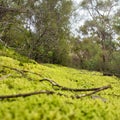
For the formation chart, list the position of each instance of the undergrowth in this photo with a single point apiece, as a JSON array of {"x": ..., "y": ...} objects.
[{"x": 104, "y": 105}]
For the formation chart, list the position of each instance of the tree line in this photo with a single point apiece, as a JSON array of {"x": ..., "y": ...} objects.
[{"x": 41, "y": 30}]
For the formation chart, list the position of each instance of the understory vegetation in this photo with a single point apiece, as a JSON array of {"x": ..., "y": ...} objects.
[{"x": 99, "y": 106}]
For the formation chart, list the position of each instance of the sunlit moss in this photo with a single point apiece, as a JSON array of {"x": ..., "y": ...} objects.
[{"x": 53, "y": 107}]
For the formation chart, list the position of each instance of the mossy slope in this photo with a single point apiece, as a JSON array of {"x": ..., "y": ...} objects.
[{"x": 53, "y": 107}]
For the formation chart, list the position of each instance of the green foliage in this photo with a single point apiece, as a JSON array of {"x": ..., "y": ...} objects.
[
  {"x": 50, "y": 40},
  {"x": 114, "y": 65},
  {"x": 37, "y": 29},
  {"x": 99, "y": 45},
  {"x": 53, "y": 107},
  {"x": 89, "y": 53},
  {"x": 8, "y": 52}
]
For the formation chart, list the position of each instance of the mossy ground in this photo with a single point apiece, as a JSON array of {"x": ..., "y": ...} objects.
[{"x": 54, "y": 107}]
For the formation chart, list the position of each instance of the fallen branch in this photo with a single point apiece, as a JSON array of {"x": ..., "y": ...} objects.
[
  {"x": 71, "y": 89},
  {"x": 89, "y": 94},
  {"x": 21, "y": 71},
  {"x": 26, "y": 94},
  {"x": 52, "y": 92}
]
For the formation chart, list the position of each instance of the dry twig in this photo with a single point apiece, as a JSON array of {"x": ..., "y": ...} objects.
[
  {"x": 52, "y": 92},
  {"x": 71, "y": 89}
]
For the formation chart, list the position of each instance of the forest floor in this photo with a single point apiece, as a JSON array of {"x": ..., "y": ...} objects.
[{"x": 32, "y": 91}]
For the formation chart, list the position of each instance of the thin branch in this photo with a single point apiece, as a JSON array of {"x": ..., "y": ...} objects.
[
  {"x": 72, "y": 89},
  {"x": 21, "y": 71},
  {"x": 50, "y": 81},
  {"x": 26, "y": 94},
  {"x": 94, "y": 92},
  {"x": 51, "y": 93}
]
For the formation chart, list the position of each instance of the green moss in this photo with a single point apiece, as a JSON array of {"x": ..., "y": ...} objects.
[
  {"x": 53, "y": 107},
  {"x": 12, "y": 54}
]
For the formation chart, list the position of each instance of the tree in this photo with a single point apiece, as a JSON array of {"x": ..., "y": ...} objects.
[
  {"x": 43, "y": 25},
  {"x": 100, "y": 26},
  {"x": 51, "y": 23},
  {"x": 10, "y": 12}
]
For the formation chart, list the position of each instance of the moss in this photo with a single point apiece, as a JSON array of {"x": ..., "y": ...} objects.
[
  {"x": 53, "y": 107},
  {"x": 12, "y": 54}
]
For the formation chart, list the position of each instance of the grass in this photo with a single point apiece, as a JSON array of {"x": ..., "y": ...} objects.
[{"x": 54, "y": 107}]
